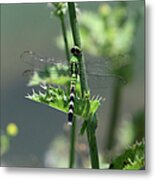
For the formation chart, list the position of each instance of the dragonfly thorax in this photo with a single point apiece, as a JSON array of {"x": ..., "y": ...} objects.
[{"x": 74, "y": 59}]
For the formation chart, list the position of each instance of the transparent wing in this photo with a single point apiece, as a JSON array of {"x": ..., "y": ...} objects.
[
  {"x": 44, "y": 69},
  {"x": 99, "y": 71},
  {"x": 105, "y": 65},
  {"x": 101, "y": 78},
  {"x": 37, "y": 61},
  {"x": 102, "y": 84}
]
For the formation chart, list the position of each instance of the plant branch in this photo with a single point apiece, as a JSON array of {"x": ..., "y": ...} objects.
[
  {"x": 91, "y": 128},
  {"x": 64, "y": 32},
  {"x": 77, "y": 42},
  {"x": 84, "y": 87},
  {"x": 72, "y": 143},
  {"x": 73, "y": 127}
]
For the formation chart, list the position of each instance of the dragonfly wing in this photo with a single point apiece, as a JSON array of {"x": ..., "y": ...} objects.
[
  {"x": 38, "y": 61},
  {"x": 42, "y": 65},
  {"x": 100, "y": 85},
  {"x": 97, "y": 66},
  {"x": 100, "y": 77},
  {"x": 106, "y": 65},
  {"x": 32, "y": 59},
  {"x": 28, "y": 73}
]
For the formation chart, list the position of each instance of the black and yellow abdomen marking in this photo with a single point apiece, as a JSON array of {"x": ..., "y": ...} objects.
[
  {"x": 71, "y": 104},
  {"x": 72, "y": 92},
  {"x": 74, "y": 67}
]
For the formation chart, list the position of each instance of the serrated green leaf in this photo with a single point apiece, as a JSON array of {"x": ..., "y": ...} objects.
[
  {"x": 138, "y": 163},
  {"x": 131, "y": 158},
  {"x": 57, "y": 98}
]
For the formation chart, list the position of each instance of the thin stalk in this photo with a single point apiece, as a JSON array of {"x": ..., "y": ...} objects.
[
  {"x": 92, "y": 142},
  {"x": 74, "y": 24},
  {"x": 77, "y": 42},
  {"x": 114, "y": 116},
  {"x": 72, "y": 143},
  {"x": 64, "y": 32},
  {"x": 73, "y": 127},
  {"x": 84, "y": 87}
]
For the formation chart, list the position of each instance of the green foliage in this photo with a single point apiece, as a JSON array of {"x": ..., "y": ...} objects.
[
  {"x": 56, "y": 74},
  {"x": 131, "y": 158},
  {"x": 137, "y": 164},
  {"x": 57, "y": 98},
  {"x": 115, "y": 28}
]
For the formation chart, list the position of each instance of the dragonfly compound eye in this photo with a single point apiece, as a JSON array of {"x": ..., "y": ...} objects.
[{"x": 76, "y": 51}]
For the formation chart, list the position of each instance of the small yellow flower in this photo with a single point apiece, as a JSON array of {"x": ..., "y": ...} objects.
[{"x": 12, "y": 129}]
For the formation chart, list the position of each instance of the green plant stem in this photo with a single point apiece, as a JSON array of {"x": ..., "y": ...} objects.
[
  {"x": 84, "y": 87},
  {"x": 114, "y": 116},
  {"x": 77, "y": 42},
  {"x": 64, "y": 32},
  {"x": 74, "y": 24},
  {"x": 92, "y": 142},
  {"x": 72, "y": 143},
  {"x": 73, "y": 127}
]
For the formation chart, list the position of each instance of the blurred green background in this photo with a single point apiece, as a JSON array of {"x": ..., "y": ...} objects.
[{"x": 42, "y": 137}]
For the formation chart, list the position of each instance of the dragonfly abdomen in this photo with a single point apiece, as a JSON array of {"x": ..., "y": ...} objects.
[
  {"x": 74, "y": 74},
  {"x": 71, "y": 104},
  {"x": 74, "y": 67}
]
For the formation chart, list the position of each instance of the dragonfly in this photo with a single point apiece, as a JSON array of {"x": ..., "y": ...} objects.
[{"x": 51, "y": 69}]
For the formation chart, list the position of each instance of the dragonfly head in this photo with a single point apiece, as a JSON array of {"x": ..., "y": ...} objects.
[{"x": 76, "y": 51}]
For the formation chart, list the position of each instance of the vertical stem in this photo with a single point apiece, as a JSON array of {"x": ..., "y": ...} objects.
[
  {"x": 84, "y": 87},
  {"x": 73, "y": 127},
  {"x": 114, "y": 116},
  {"x": 72, "y": 143},
  {"x": 92, "y": 124},
  {"x": 64, "y": 32},
  {"x": 74, "y": 24},
  {"x": 77, "y": 42}
]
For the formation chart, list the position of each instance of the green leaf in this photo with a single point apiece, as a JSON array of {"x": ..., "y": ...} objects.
[
  {"x": 138, "y": 163},
  {"x": 131, "y": 158},
  {"x": 57, "y": 98}
]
